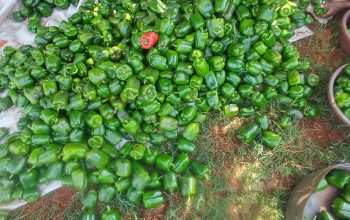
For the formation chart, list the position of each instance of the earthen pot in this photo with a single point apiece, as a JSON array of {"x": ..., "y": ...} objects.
[
  {"x": 305, "y": 201},
  {"x": 344, "y": 36},
  {"x": 338, "y": 112}
]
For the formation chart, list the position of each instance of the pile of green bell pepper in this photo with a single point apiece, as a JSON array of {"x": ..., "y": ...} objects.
[
  {"x": 89, "y": 86},
  {"x": 34, "y": 10}
]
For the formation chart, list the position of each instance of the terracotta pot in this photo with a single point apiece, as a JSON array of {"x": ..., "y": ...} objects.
[
  {"x": 338, "y": 112},
  {"x": 344, "y": 36},
  {"x": 306, "y": 201}
]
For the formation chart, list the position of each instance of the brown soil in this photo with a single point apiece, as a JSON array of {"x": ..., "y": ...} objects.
[
  {"x": 56, "y": 202},
  {"x": 3, "y": 43},
  {"x": 326, "y": 56},
  {"x": 324, "y": 51},
  {"x": 156, "y": 214},
  {"x": 225, "y": 143},
  {"x": 277, "y": 181},
  {"x": 319, "y": 131}
]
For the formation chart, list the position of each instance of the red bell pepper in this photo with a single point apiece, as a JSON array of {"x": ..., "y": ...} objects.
[{"x": 148, "y": 40}]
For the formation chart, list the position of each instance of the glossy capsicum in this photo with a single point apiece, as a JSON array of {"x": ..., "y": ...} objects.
[
  {"x": 216, "y": 27},
  {"x": 154, "y": 182},
  {"x": 138, "y": 151},
  {"x": 248, "y": 132},
  {"x": 199, "y": 169},
  {"x": 89, "y": 215},
  {"x": 270, "y": 139},
  {"x": 164, "y": 162},
  {"x": 181, "y": 163},
  {"x": 111, "y": 214},
  {"x": 341, "y": 208},
  {"x": 131, "y": 90},
  {"x": 74, "y": 151},
  {"x": 29, "y": 179},
  {"x": 97, "y": 158},
  {"x": 54, "y": 171},
  {"x": 346, "y": 192},
  {"x": 89, "y": 200},
  {"x": 140, "y": 176},
  {"x": 152, "y": 199},
  {"x": 80, "y": 179},
  {"x": 188, "y": 185},
  {"x": 338, "y": 178},
  {"x": 31, "y": 195},
  {"x": 123, "y": 167},
  {"x": 106, "y": 193},
  {"x": 150, "y": 155}
]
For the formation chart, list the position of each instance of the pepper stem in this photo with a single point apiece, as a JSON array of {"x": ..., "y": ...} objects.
[{"x": 145, "y": 41}]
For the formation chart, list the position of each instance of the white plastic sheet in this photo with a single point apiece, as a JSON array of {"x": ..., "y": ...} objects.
[
  {"x": 301, "y": 33},
  {"x": 5, "y": 7}
]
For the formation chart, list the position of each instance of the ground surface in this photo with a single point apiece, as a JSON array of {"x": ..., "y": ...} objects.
[{"x": 247, "y": 182}]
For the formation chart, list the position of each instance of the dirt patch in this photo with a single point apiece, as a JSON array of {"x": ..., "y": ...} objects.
[
  {"x": 234, "y": 182},
  {"x": 155, "y": 214},
  {"x": 233, "y": 210},
  {"x": 3, "y": 43},
  {"x": 277, "y": 181},
  {"x": 319, "y": 131},
  {"x": 50, "y": 206},
  {"x": 244, "y": 211},
  {"x": 324, "y": 52},
  {"x": 220, "y": 136}
]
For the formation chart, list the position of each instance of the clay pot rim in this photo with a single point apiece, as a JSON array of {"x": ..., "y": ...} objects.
[
  {"x": 331, "y": 99},
  {"x": 344, "y": 25}
]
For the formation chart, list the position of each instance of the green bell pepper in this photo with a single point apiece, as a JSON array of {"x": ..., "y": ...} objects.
[
  {"x": 134, "y": 195},
  {"x": 206, "y": 8},
  {"x": 89, "y": 215},
  {"x": 54, "y": 171},
  {"x": 97, "y": 158},
  {"x": 29, "y": 179},
  {"x": 31, "y": 195},
  {"x": 216, "y": 27},
  {"x": 164, "y": 162},
  {"x": 188, "y": 186},
  {"x": 181, "y": 163},
  {"x": 248, "y": 133},
  {"x": 111, "y": 214},
  {"x": 123, "y": 167},
  {"x": 270, "y": 139},
  {"x": 152, "y": 199},
  {"x": 341, "y": 208},
  {"x": 338, "y": 178},
  {"x": 80, "y": 179},
  {"x": 106, "y": 193},
  {"x": 16, "y": 165},
  {"x": 74, "y": 151},
  {"x": 191, "y": 131},
  {"x": 199, "y": 169},
  {"x": 89, "y": 200}
]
